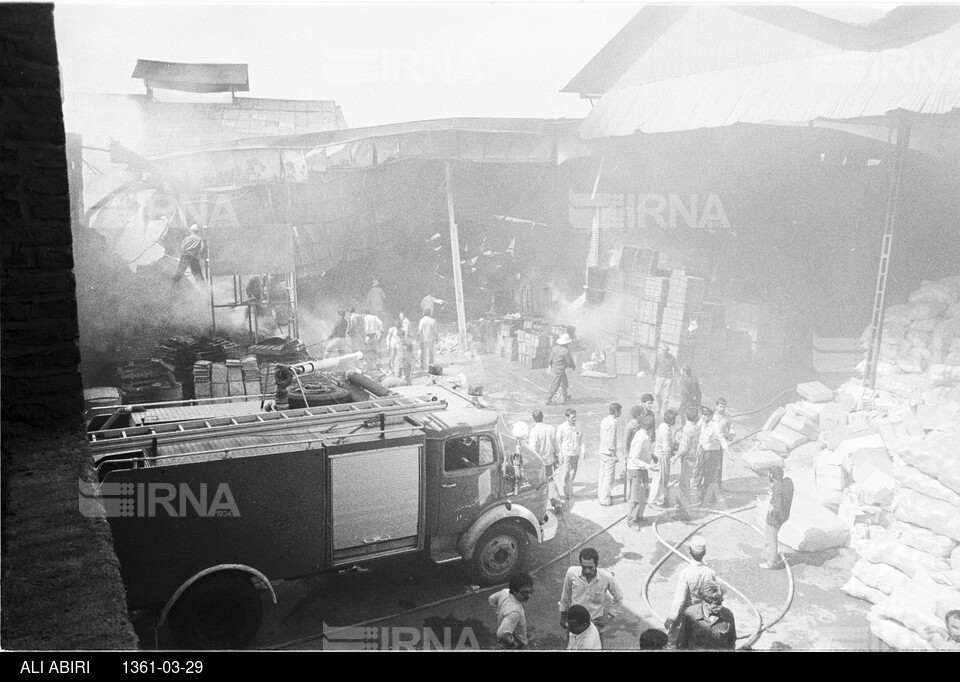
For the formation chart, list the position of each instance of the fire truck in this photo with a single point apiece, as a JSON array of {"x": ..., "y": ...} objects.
[{"x": 209, "y": 502}]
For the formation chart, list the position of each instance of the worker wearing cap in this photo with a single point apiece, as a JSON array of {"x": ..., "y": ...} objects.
[
  {"x": 691, "y": 579},
  {"x": 192, "y": 251},
  {"x": 560, "y": 360}
]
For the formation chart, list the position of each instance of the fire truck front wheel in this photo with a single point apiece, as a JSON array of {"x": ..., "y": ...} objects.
[
  {"x": 220, "y": 612},
  {"x": 499, "y": 554}
]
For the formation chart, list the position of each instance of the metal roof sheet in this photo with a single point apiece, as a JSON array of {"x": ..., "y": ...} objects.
[
  {"x": 923, "y": 78},
  {"x": 653, "y": 22},
  {"x": 193, "y": 77}
]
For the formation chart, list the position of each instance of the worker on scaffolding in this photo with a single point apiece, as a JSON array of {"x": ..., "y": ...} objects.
[{"x": 193, "y": 250}]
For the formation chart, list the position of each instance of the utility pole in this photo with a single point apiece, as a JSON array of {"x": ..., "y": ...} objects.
[{"x": 457, "y": 272}]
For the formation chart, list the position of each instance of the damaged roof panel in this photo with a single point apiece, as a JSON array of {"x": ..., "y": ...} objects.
[{"x": 193, "y": 77}]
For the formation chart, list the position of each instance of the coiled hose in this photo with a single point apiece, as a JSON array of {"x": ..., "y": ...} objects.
[{"x": 674, "y": 549}]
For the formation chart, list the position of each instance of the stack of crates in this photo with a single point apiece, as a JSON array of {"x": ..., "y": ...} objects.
[
  {"x": 202, "y": 388},
  {"x": 533, "y": 349},
  {"x": 251, "y": 375},
  {"x": 534, "y": 300},
  {"x": 684, "y": 299},
  {"x": 235, "y": 378},
  {"x": 506, "y": 346}
]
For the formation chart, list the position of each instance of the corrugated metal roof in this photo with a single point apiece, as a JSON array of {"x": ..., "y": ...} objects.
[
  {"x": 159, "y": 127},
  {"x": 923, "y": 77},
  {"x": 653, "y": 22},
  {"x": 193, "y": 77}
]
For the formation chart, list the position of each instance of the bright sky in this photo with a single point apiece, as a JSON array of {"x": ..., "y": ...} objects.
[{"x": 381, "y": 62}]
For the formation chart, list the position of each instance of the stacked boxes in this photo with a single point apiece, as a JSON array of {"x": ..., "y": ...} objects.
[
  {"x": 533, "y": 349},
  {"x": 251, "y": 375},
  {"x": 506, "y": 346},
  {"x": 218, "y": 380},
  {"x": 534, "y": 300},
  {"x": 235, "y": 378},
  {"x": 202, "y": 387}
]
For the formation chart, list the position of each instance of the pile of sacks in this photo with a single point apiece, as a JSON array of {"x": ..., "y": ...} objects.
[
  {"x": 921, "y": 333},
  {"x": 910, "y": 569},
  {"x": 792, "y": 438},
  {"x": 886, "y": 464}
]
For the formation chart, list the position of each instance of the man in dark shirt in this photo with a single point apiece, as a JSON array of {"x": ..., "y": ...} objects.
[
  {"x": 690, "y": 395},
  {"x": 708, "y": 625},
  {"x": 337, "y": 341},
  {"x": 781, "y": 498},
  {"x": 560, "y": 360}
]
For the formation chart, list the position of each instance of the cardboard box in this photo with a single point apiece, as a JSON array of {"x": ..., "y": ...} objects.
[
  {"x": 803, "y": 426},
  {"x": 815, "y": 392},
  {"x": 899, "y": 427},
  {"x": 854, "y": 514},
  {"x": 788, "y": 436},
  {"x": 829, "y": 420},
  {"x": 831, "y": 477},
  {"x": 774, "y": 419},
  {"x": 877, "y": 489}
]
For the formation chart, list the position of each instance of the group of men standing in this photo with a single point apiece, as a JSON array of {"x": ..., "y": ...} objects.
[
  {"x": 698, "y": 439},
  {"x": 364, "y": 330}
]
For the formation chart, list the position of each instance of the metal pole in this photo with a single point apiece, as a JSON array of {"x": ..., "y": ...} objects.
[
  {"x": 457, "y": 273},
  {"x": 899, "y": 157},
  {"x": 295, "y": 303},
  {"x": 213, "y": 309}
]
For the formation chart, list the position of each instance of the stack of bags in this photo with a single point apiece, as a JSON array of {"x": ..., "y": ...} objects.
[
  {"x": 910, "y": 569},
  {"x": 888, "y": 462},
  {"x": 921, "y": 333},
  {"x": 791, "y": 436}
]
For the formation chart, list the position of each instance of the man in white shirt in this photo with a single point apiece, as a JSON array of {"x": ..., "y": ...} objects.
[
  {"x": 688, "y": 443},
  {"x": 663, "y": 449},
  {"x": 608, "y": 454},
  {"x": 588, "y": 586},
  {"x": 713, "y": 446},
  {"x": 584, "y": 635},
  {"x": 427, "y": 335},
  {"x": 543, "y": 441},
  {"x": 570, "y": 443},
  {"x": 690, "y": 580},
  {"x": 372, "y": 332},
  {"x": 511, "y": 618},
  {"x": 639, "y": 461}
]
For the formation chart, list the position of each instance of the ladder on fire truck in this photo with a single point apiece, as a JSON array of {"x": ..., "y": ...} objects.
[
  {"x": 893, "y": 206},
  {"x": 131, "y": 438}
]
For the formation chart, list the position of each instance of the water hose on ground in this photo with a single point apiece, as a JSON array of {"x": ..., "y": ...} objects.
[{"x": 674, "y": 549}]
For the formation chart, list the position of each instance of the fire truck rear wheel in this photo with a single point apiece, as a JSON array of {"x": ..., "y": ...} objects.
[
  {"x": 499, "y": 554},
  {"x": 220, "y": 612}
]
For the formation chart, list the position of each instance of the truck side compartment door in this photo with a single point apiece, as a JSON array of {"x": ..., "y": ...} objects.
[
  {"x": 376, "y": 498},
  {"x": 469, "y": 480}
]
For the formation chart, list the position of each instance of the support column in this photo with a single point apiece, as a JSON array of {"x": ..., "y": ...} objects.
[{"x": 457, "y": 272}]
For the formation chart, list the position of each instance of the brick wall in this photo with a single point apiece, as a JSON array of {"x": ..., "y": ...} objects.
[{"x": 39, "y": 354}]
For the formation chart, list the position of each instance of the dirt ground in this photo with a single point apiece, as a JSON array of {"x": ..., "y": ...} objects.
[{"x": 398, "y": 605}]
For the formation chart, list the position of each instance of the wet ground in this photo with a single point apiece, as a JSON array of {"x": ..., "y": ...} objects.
[{"x": 411, "y": 603}]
